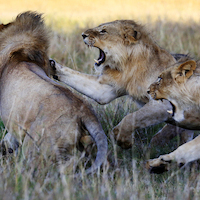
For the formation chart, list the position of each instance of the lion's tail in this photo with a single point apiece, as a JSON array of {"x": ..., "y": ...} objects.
[
  {"x": 97, "y": 133},
  {"x": 26, "y": 38}
]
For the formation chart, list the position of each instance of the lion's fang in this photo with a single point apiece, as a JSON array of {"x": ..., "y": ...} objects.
[
  {"x": 96, "y": 61},
  {"x": 170, "y": 111}
]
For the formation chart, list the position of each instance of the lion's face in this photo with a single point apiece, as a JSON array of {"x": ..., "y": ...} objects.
[
  {"x": 171, "y": 81},
  {"x": 161, "y": 87},
  {"x": 114, "y": 41}
]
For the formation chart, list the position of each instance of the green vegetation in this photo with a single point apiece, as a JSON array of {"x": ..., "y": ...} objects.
[{"x": 124, "y": 175}]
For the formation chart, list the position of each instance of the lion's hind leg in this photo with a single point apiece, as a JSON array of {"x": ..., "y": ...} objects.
[{"x": 45, "y": 153}]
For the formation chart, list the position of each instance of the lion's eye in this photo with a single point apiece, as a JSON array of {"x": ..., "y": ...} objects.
[{"x": 103, "y": 31}]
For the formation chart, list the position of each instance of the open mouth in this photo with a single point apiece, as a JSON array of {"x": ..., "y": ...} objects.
[{"x": 101, "y": 59}]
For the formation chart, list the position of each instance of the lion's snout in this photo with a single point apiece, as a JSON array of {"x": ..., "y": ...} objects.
[
  {"x": 152, "y": 90},
  {"x": 84, "y": 35}
]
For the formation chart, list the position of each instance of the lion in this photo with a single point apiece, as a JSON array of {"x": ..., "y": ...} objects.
[
  {"x": 39, "y": 114},
  {"x": 180, "y": 85},
  {"x": 129, "y": 61}
]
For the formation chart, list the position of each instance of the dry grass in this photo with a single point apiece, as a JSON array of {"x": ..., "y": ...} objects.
[{"x": 124, "y": 175}]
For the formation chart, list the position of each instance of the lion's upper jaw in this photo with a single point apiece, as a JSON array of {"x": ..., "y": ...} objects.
[
  {"x": 109, "y": 56},
  {"x": 173, "y": 94}
]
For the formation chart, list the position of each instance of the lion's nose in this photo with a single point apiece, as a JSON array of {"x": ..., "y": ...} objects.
[{"x": 84, "y": 35}]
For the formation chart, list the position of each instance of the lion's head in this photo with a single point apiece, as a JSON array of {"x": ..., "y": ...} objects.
[
  {"x": 115, "y": 41},
  {"x": 172, "y": 81},
  {"x": 176, "y": 85}
]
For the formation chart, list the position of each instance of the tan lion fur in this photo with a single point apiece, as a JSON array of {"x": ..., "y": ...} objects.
[
  {"x": 130, "y": 60},
  {"x": 180, "y": 85},
  {"x": 39, "y": 113}
]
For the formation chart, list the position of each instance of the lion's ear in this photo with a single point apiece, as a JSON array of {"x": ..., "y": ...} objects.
[
  {"x": 184, "y": 71},
  {"x": 187, "y": 68},
  {"x": 2, "y": 26},
  {"x": 131, "y": 38},
  {"x": 136, "y": 35}
]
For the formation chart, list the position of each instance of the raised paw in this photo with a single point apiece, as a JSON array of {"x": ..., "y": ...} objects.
[
  {"x": 52, "y": 63},
  {"x": 53, "y": 69}
]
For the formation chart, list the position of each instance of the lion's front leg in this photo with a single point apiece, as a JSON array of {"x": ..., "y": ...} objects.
[
  {"x": 152, "y": 113},
  {"x": 184, "y": 154},
  {"x": 160, "y": 164},
  {"x": 89, "y": 85}
]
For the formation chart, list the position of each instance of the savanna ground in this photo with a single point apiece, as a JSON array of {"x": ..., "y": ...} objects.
[{"x": 175, "y": 26}]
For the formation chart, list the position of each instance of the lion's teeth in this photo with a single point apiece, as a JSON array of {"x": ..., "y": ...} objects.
[
  {"x": 170, "y": 111},
  {"x": 96, "y": 61}
]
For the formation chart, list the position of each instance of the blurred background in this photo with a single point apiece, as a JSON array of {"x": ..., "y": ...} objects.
[{"x": 65, "y": 13}]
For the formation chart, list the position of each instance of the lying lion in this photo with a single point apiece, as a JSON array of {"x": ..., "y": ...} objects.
[
  {"x": 129, "y": 61},
  {"x": 39, "y": 113},
  {"x": 180, "y": 85}
]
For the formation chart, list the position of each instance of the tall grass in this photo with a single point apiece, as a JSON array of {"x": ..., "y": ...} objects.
[{"x": 123, "y": 176}]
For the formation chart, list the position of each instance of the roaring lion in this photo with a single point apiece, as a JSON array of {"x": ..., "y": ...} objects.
[
  {"x": 39, "y": 113},
  {"x": 129, "y": 61},
  {"x": 180, "y": 84}
]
